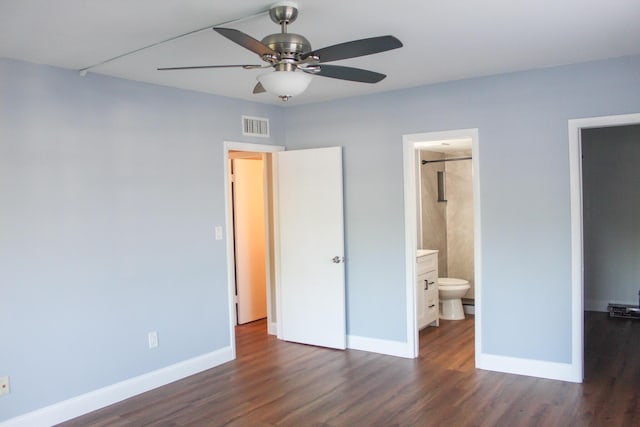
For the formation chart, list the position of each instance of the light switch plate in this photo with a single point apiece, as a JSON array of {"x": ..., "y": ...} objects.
[{"x": 153, "y": 339}]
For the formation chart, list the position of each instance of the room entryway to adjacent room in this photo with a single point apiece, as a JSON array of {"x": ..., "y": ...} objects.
[
  {"x": 442, "y": 231},
  {"x": 248, "y": 214},
  {"x": 286, "y": 242},
  {"x": 605, "y": 207}
]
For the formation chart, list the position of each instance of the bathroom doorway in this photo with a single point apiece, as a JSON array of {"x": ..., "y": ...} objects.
[
  {"x": 442, "y": 214},
  {"x": 445, "y": 205}
]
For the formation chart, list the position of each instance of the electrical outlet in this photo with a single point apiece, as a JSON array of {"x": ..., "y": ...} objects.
[
  {"x": 4, "y": 386},
  {"x": 218, "y": 232},
  {"x": 153, "y": 339}
]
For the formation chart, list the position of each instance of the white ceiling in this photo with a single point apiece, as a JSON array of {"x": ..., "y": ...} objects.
[{"x": 443, "y": 40}]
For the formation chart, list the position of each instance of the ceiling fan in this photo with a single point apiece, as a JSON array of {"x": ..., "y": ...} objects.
[{"x": 293, "y": 60}]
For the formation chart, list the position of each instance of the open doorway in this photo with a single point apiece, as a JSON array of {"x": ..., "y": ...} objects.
[
  {"x": 611, "y": 215},
  {"x": 249, "y": 217},
  {"x": 250, "y": 242},
  {"x": 611, "y": 231},
  {"x": 305, "y": 250},
  {"x": 425, "y": 238},
  {"x": 604, "y": 152}
]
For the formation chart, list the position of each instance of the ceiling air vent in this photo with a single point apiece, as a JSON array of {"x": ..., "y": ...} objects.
[{"x": 255, "y": 126}]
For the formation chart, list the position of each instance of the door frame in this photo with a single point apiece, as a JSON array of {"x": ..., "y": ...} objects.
[
  {"x": 411, "y": 226},
  {"x": 577, "y": 248},
  {"x": 255, "y": 148}
]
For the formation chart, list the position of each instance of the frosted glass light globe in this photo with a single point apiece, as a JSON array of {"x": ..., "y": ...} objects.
[{"x": 285, "y": 84}]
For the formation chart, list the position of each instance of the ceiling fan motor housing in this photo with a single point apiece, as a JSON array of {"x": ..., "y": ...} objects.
[{"x": 288, "y": 45}]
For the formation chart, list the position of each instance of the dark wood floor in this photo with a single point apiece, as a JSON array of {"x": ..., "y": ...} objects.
[{"x": 278, "y": 383}]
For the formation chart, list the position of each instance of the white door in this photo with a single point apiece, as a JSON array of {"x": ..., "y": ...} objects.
[
  {"x": 250, "y": 241},
  {"x": 311, "y": 247}
]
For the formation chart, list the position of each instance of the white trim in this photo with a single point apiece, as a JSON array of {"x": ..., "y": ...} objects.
[
  {"x": 529, "y": 367},
  {"x": 577, "y": 260},
  {"x": 238, "y": 146},
  {"x": 392, "y": 348},
  {"x": 276, "y": 242},
  {"x": 88, "y": 402},
  {"x": 410, "y": 226},
  {"x": 419, "y": 237},
  {"x": 411, "y": 242},
  {"x": 477, "y": 244},
  {"x": 272, "y": 328},
  {"x": 267, "y": 235}
]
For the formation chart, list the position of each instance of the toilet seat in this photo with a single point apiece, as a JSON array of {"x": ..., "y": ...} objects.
[{"x": 451, "y": 281}]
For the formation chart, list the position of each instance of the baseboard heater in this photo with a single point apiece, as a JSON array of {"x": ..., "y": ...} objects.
[{"x": 624, "y": 310}]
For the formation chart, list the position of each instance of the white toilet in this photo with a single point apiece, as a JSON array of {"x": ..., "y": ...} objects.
[{"x": 450, "y": 291}]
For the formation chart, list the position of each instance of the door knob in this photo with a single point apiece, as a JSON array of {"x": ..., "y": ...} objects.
[{"x": 337, "y": 260}]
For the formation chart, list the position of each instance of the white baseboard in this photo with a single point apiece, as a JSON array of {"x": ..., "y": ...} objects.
[
  {"x": 529, "y": 367},
  {"x": 272, "y": 328},
  {"x": 469, "y": 309},
  {"x": 114, "y": 393},
  {"x": 392, "y": 348}
]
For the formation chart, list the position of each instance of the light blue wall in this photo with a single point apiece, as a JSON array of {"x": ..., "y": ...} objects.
[
  {"x": 524, "y": 178},
  {"x": 109, "y": 194},
  {"x": 110, "y": 189}
]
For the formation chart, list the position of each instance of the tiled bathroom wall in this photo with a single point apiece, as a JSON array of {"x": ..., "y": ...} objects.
[
  {"x": 434, "y": 220},
  {"x": 448, "y": 226},
  {"x": 459, "y": 183}
]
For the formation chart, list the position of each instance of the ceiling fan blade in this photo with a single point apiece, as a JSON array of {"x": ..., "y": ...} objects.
[
  {"x": 346, "y": 73},
  {"x": 246, "y": 41},
  {"x": 355, "y": 48},
  {"x": 259, "y": 88},
  {"x": 197, "y": 67}
]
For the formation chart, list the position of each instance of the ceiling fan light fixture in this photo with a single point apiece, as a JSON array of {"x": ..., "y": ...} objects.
[
  {"x": 285, "y": 84},
  {"x": 293, "y": 59}
]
